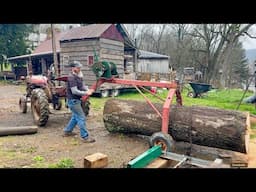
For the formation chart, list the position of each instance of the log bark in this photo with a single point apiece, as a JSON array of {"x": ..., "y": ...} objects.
[
  {"x": 206, "y": 126},
  {"x": 18, "y": 130}
]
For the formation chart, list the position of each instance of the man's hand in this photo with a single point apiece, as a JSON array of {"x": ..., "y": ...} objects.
[{"x": 89, "y": 92}]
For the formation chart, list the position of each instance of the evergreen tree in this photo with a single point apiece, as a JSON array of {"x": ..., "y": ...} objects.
[
  {"x": 13, "y": 40},
  {"x": 240, "y": 67}
]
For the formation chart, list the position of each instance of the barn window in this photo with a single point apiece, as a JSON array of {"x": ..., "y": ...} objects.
[{"x": 90, "y": 60}]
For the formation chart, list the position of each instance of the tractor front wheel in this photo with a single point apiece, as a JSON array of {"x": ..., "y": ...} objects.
[{"x": 39, "y": 107}]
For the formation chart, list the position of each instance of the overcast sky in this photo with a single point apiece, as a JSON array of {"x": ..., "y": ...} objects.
[{"x": 249, "y": 43}]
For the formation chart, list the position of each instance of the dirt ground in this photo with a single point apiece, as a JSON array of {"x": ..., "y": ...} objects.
[{"x": 48, "y": 147}]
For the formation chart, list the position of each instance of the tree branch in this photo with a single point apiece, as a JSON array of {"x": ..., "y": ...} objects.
[
  {"x": 199, "y": 50},
  {"x": 249, "y": 35}
]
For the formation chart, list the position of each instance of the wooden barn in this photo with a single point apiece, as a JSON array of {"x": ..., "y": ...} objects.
[
  {"x": 82, "y": 43},
  {"x": 110, "y": 41}
]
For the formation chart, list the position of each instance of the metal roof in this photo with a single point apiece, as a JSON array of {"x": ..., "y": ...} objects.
[
  {"x": 128, "y": 40},
  {"x": 150, "y": 55},
  {"x": 23, "y": 57},
  {"x": 46, "y": 45},
  {"x": 89, "y": 31}
]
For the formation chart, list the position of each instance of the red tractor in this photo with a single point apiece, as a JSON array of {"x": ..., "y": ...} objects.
[{"x": 40, "y": 92}]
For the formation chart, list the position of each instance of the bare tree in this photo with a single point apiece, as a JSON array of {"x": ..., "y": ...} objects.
[
  {"x": 234, "y": 32},
  {"x": 150, "y": 36},
  {"x": 180, "y": 47},
  {"x": 133, "y": 30},
  {"x": 157, "y": 37},
  {"x": 218, "y": 41},
  {"x": 207, "y": 47}
]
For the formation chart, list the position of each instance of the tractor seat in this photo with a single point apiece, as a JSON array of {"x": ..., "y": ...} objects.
[{"x": 61, "y": 91}]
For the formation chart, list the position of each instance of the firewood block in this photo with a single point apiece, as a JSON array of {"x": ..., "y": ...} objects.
[{"x": 96, "y": 160}]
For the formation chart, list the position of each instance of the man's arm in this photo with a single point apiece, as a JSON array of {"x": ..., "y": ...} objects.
[
  {"x": 76, "y": 91},
  {"x": 86, "y": 88}
]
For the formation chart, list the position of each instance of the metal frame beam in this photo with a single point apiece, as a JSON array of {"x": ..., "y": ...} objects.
[{"x": 145, "y": 158}]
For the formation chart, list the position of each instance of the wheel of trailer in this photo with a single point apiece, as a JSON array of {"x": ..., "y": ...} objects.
[
  {"x": 86, "y": 107},
  {"x": 23, "y": 104},
  {"x": 57, "y": 106},
  {"x": 191, "y": 94},
  {"x": 39, "y": 107},
  {"x": 115, "y": 92},
  {"x": 163, "y": 139},
  {"x": 104, "y": 93}
]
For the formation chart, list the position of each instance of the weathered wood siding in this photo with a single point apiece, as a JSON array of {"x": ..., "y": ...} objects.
[
  {"x": 153, "y": 65},
  {"x": 109, "y": 50},
  {"x": 132, "y": 53},
  {"x": 113, "y": 51}
]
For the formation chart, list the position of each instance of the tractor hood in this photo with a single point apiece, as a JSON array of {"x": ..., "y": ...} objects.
[{"x": 38, "y": 79}]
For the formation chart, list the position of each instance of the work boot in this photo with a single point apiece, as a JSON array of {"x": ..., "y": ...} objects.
[
  {"x": 68, "y": 134},
  {"x": 88, "y": 140}
]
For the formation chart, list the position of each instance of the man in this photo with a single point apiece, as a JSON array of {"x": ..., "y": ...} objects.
[{"x": 75, "y": 90}]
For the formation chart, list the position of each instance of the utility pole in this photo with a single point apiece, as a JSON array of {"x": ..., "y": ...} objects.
[
  {"x": 135, "y": 64},
  {"x": 55, "y": 60}
]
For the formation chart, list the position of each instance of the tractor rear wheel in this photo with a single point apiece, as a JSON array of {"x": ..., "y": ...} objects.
[
  {"x": 86, "y": 107},
  {"x": 39, "y": 107}
]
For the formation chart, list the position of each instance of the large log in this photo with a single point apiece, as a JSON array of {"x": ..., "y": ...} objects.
[
  {"x": 21, "y": 130},
  {"x": 206, "y": 126}
]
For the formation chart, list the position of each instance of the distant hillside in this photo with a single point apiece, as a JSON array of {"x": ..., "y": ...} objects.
[{"x": 251, "y": 55}]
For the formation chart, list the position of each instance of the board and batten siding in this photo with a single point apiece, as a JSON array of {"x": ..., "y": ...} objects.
[{"x": 153, "y": 66}]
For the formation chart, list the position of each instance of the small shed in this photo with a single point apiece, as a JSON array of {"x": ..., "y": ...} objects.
[{"x": 153, "y": 66}]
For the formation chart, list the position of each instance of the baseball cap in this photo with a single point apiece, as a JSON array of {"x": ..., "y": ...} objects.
[{"x": 75, "y": 64}]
